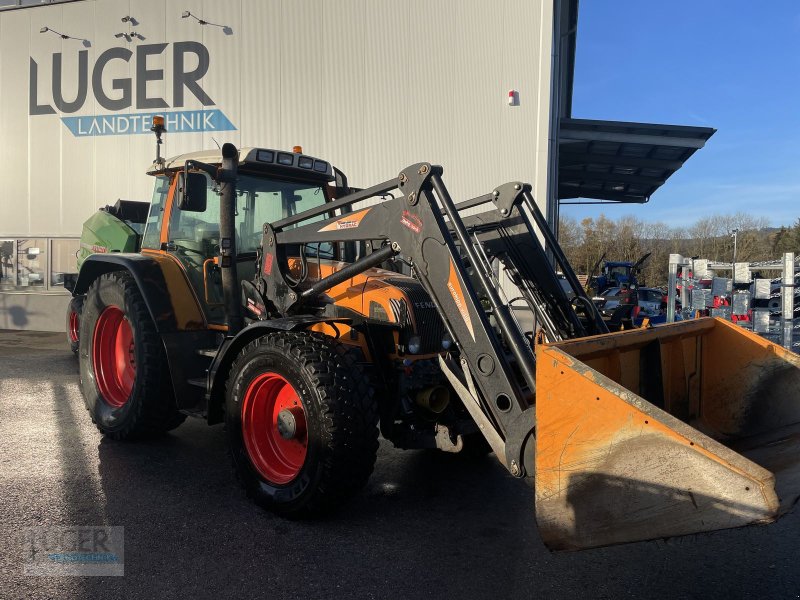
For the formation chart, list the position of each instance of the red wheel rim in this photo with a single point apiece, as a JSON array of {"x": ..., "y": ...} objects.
[
  {"x": 113, "y": 356},
  {"x": 74, "y": 323},
  {"x": 277, "y": 458}
]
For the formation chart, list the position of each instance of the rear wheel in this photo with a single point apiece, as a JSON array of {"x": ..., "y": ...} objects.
[
  {"x": 301, "y": 422},
  {"x": 74, "y": 310},
  {"x": 123, "y": 369}
]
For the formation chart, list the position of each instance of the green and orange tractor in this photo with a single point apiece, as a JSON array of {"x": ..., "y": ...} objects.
[{"x": 260, "y": 290}]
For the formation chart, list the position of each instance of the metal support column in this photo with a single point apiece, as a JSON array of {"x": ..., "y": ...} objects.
[{"x": 787, "y": 300}]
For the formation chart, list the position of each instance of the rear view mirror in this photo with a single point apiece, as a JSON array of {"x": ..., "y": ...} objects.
[{"x": 192, "y": 190}]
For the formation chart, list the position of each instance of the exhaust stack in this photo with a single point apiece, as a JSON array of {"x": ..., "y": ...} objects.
[{"x": 227, "y": 228}]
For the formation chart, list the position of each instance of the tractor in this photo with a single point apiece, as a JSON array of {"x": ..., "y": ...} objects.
[
  {"x": 617, "y": 274},
  {"x": 311, "y": 317}
]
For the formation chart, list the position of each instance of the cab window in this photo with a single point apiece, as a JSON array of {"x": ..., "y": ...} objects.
[
  {"x": 152, "y": 232},
  {"x": 258, "y": 201}
]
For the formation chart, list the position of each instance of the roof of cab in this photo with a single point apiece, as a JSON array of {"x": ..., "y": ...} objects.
[{"x": 247, "y": 156}]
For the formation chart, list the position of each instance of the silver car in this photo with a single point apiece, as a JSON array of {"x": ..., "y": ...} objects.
[{"x": 651, "y": 301}]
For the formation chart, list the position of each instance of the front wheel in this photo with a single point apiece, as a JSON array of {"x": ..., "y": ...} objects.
[{"x": 301, "y": 423}]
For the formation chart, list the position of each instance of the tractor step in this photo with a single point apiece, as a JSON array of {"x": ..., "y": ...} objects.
[
  {"x": 197, "y": 382},
  {"x": 207, "y": 352}
]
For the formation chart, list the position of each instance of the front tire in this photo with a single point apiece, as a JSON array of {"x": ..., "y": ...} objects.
[
  {"x": 301, "y": 423},
  {"x": 123, "y": 368}
]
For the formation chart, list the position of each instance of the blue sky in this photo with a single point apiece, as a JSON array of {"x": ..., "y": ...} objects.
[{"x": 733, "y": 65}]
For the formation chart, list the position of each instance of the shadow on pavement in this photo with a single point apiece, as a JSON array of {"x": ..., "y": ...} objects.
[
  {"x": 422, "y": 518},
  {"x": 427, "y": 525}
]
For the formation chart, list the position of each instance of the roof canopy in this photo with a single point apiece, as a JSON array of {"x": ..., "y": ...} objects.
[{"x": 621, "y": 162}]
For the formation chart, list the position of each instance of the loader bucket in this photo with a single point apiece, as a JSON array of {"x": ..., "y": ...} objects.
[{"x": 654, "y": 433}]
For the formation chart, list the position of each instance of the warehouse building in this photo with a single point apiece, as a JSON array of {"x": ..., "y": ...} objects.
[{"x": 369, "y": 85}]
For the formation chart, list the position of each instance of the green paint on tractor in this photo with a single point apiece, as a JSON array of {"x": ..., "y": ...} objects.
[{"x": 103, "y": 232}]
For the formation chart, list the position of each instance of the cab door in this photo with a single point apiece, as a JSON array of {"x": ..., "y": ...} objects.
[{"x": 193, "y": 240}]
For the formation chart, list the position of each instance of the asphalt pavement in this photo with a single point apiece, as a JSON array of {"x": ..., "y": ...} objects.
[{"x": 427, "y": 526}]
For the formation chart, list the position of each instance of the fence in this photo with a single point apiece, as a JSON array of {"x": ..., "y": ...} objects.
[{"x": 768, "y": 306}]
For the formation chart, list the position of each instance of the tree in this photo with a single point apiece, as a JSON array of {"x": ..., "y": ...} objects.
[
  {"x": 628, "y": 238},
  {"x": 569, "y": 235},
  {"x": 787, "y": 239}
]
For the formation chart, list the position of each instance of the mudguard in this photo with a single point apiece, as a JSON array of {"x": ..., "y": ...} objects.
[
  {"x": 220, "y": 366},
  {"x": 163, "y": 284},
  {"x": 173, "y": 308}
]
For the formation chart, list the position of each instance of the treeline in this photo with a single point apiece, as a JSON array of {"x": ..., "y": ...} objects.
[{"x": 628, "y": 238}]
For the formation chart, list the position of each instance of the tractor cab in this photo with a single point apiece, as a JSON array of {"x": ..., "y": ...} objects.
[
  {"x": 184, "y": 218},
  {"x": 618, "y": 273}
]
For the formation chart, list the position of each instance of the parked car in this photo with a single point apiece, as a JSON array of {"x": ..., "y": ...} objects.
[
  {"x": 652, "y": 301},
  {"x": 566, "y": 286},
  {"x": 607, "y": 295}
]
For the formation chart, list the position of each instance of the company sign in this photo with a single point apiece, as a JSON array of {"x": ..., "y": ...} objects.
[{"x": 128, "y": 93}]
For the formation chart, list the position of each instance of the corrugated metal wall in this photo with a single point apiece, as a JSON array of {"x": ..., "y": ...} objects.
[{"x": 371, "y": 85}]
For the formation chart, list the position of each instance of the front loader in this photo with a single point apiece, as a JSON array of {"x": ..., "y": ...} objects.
[{"x": 270, "y": 295}]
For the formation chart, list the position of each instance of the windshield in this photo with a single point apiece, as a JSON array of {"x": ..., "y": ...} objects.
[
  {"x": 267, "y": 201},
  {"x": 258, "y": 201},
  {"x": 618, "y": 273}
]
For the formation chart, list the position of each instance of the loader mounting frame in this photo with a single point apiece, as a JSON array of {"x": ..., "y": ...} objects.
[{"x": 452, "y": 257}]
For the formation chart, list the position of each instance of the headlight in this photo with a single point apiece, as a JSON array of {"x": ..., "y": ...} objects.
[
  {"x": 414, "y": 344},
  {"x": 447, "y": 341}
]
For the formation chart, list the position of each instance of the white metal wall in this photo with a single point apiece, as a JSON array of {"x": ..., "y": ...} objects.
[{"x": 371, "y": 85}]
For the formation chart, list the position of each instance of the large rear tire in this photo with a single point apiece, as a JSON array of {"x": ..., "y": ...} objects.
[
  {"x": 74, "y": 310},
  {"x": 301, "y": 422},
  {"x": 123, "y": 367}
]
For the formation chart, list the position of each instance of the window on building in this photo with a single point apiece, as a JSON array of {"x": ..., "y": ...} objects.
[
  {"x": 36, "y": 264},
  {"x": 8, "y": 265},
  {"x": 63, "y": 260},
  {"x": 32, "y": 264}
]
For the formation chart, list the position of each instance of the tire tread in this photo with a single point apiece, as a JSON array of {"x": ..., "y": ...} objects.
[
  {"x": 156, "y": 412},
  {"x": 348, "y": 413}
]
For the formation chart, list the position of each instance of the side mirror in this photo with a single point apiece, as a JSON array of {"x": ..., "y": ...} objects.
[{"x": 192, "y": 191}]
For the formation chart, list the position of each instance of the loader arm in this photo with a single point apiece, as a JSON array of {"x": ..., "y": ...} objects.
[
  {"x": 639, "y": 262},
  {"x": 453, "y": 259},
  {"x": 653, "y": 435}
]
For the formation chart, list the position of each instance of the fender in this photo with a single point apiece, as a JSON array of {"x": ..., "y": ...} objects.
[
  {"x": 173, "y": 308},
  {"x": 220, "y": 367},
  {"x": 163, "y": 285}
]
